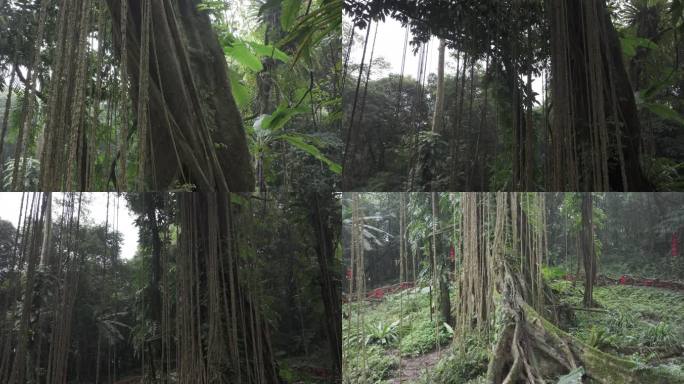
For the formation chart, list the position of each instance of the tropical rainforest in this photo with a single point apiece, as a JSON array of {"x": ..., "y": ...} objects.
[
  {"x": 234, "y": 288},
  {"x": 548, "y": 95},
  {"x": 510, "y": 287},
  {"x": 214, "y": 95}
]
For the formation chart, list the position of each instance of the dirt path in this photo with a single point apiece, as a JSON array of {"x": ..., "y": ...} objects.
[{"x": 414, "y": 367}]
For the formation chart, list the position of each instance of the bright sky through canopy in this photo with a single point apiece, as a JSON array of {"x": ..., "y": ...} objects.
[{"x": 97, "y": 214}]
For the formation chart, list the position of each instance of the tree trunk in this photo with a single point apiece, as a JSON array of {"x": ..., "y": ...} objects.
[
  {"x": 47, "y": 233},
  {"x": 530, "y": 349},
  {"x": 438, "y": 117},
  {"x": 322, "y": 219},
  {"x": 587, "y": 246},
  {"x": 237, "y": 349},
  {"x": 150, "y": 202},
  {"x": 197, "y": 130},
  {"x": 596, "y": 132},
  {"x": 440, "y": 268}
]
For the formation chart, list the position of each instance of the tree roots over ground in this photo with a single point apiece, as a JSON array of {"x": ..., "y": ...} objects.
[{"x": 531, "y": 349}]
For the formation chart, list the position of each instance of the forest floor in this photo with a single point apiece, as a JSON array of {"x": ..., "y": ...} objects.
[
  {"x": 411, "y": 368},
  {"x": 642, "y": 324},
  {"x": 306, "y": 369}
]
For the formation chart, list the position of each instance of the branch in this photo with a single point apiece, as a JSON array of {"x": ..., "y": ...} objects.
[{"x": 23, "y": 80}]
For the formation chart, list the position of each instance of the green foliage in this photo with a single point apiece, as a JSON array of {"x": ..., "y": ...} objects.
[
  {"x": 599, "y": 338},
  {"x": 300, "y": 142},
  {"x": 660, "y": 334},
  {"x": 32, "y": 174},
  {"x": 631, "y": 43},
  {"x": 553, "y": 273},
  {"x": 382, "y": 333},
  {"x": 465, "y": 362},
  {"x": 639, "y": 322},
  {"x": 422, "y": 338},
  {"x": 665, "y": 112},
  {"x": 376, "y": 366},
  {"x": 290, "y": 10},
  {"x": 312, "y": 28}
]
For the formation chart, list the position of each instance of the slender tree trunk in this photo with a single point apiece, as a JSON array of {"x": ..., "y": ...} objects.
[
  {"x": 588, "y": 253},
  {"x": 438, "y": 117},
  {"x": 47, "y": 233},
  {"x": 322, "y": 216}
]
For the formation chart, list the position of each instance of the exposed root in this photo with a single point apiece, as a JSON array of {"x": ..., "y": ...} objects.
[{"x": 531, "y": 349}]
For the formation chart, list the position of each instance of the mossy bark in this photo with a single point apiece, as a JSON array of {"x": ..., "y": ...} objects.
[
  {"x": 531, "y": 349},
  {"x": 195, "y": 126}
]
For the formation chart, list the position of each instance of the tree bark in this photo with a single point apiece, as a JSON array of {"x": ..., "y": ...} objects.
[
  {"x": 197, "y": 130},
  {"x": 593, "y": 102},
  {"x": 438, "y": 117},
  {"x": 587, "y": 246},
  {"x": 323, "y": 219}
]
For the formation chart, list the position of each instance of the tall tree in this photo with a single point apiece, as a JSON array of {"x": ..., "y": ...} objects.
[
  {"x": 438, "y": 117},
  {"x": 324, "y": 222},
  {"x": 587, "y": 249},
  {"x": 596, "y": 132},
  {"x": 194, "y": 121}
]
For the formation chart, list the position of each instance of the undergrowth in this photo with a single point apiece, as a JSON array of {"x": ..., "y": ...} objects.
[{"x": 641, "y": 323}]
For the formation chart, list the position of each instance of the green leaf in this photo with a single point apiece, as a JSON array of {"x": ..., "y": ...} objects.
[
  {"x": 665, "y": 112},
  {"x": 289, "y": 13},
  {"x": 280, "y": 117},
  {"x": 237, "y": 199},
  {"x": 240, "y": 53},
  {"x": 299, "y": 142},
  {"x": 269, "y": 51},
  {"x": 631, "y": 43},
  {"x": 240, "y": 92},
  {"x": 574, "y": 377}
]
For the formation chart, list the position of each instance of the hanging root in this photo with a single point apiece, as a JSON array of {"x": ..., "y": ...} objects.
[{"x": 531, "y": 349}]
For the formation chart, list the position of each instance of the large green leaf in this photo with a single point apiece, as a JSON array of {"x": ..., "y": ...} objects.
[
  {"x": 240, "y": 92},
  {"x": 280, "y": 117},
  {"x": 289, "y": 13},
  {"x": 269, "y": 51},
  {"x": 243, "y": 55},
  {"x": 299, "y": 141},
  {"x": 665, "y": 112}
]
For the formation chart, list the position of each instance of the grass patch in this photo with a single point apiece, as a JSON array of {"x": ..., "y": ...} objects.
[
  {"x": 466, "y": 362},
  {"x": 642, "y": 323}
]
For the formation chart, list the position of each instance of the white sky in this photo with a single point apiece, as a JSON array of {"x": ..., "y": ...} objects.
[
  {"x": 390, "y": 46},
  {"x": 123, "y": 219}
]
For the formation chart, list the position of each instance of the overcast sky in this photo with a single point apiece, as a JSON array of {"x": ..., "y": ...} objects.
[
  {"x": 123, "y": 219},
  {"x": 389, "y": 45}
]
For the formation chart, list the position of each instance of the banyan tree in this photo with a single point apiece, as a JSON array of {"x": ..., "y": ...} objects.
[
  {"x": 590, "y": 133},
  {"x": 198, "y": 305},
  {"x": 152, "y": 72},
  {"x": 502, "y": 294}
]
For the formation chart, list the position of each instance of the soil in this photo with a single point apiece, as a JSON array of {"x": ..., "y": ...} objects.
[{"x": 413, "y": 368}]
